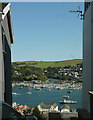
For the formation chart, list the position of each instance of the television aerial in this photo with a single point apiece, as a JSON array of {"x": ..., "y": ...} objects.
[{"x": 80, "y": 13}]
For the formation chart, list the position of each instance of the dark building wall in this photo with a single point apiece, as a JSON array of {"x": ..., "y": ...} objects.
[
  {"x": 7, "y": 74},
  {"x": 88, "y": 56},
  {"x": 1, "y": 61},
  {"x": 5, "y": 62},
  {"x": 87, "y": 4},
  {"x": 87, "y": 63},
  {"x": 1, "y": 68}
]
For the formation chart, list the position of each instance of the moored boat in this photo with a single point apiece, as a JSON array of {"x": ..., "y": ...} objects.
[
  {"x": 65, "y": 96},
  {"x": 69, "y": 91},
  {"x": 14, "y": 93},
  {"x": 68, "y": 102},
  {"x": 38, "y": 88},
  {"x": 29, "y": 93}
]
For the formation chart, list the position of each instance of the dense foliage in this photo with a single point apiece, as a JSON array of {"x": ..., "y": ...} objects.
[{"x": 27, "y": 73}]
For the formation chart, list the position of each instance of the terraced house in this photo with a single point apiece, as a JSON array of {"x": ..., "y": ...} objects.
[{"x": 45, "y": 107}]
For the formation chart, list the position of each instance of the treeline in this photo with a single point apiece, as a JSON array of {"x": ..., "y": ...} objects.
[{"x": 27, "y": 73}]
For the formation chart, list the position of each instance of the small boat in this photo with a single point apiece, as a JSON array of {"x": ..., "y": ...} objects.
[
  {"x": 68, "y": 102},
  {"x": 13, "y": 85},
  {"x": 38, "y": 88},
  {"x": 58, "y": 88},
  {"x": 14, "y": 93},
  {"x": 65, "y": 96},
  {"x": 29, "y": 93},
  {"x": 69, "y": 91}
]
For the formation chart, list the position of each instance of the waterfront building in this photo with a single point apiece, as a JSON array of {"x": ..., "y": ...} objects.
[
  {"x": 14, "y": 104},
  {"x": 22, "y": 109},
  {"x": 65, "y": 109},
  {"x": 6, "y": 38},
  {"x": 20, "y": 106},
  {"x": 66, "y": 113},
  {"x": 25, "y": 106},
  {"x": 45, "y": 107}
]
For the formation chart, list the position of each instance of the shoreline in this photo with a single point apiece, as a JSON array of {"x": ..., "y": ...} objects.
[{"x": 49, "y": 85}]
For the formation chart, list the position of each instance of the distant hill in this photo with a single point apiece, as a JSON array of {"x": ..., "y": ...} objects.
[{"x": 46, "y": 64}]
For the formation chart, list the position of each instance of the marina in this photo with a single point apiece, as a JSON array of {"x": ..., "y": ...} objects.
[
  {"x": 49, "y": 85},
  {"x": 49, "y": 93}
]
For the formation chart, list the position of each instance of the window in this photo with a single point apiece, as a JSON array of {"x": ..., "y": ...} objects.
[{"x": 3, "y": 40}]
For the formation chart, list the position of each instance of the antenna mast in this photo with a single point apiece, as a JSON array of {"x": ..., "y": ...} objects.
[{"x": 80, "y": 13}]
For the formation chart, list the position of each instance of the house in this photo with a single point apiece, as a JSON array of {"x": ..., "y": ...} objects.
[
  {"x": 16, "y": 73},
  {"x": 45, "y": 107},
  {"x": 65, "y": 109},
  {"x": 25, "y": 106},
  {"x": 66, "y": 113},
  {"x": 14, "y": 104},
  {"x": 22, "y": 108},
  {"x": 6, "y": 39}
]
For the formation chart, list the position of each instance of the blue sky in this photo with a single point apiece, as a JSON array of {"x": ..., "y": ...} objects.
[{"x": 46, "y": 31}]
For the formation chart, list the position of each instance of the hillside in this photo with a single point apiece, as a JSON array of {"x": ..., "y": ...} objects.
[
  {"x": 41, "y": 70},
  {"x": 46, "y": 64}
]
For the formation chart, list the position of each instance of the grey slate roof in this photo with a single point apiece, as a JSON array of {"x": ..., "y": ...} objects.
[{"x": 48, "y": 106}]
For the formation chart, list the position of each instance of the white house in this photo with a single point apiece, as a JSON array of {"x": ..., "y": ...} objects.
[
  {"x": 45, "y": 107},
  {"x": 67, "y": 114},
  {"x": 65, "y": 109}
]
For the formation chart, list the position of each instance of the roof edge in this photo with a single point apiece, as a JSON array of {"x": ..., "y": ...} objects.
[{"x": 7, "y": 12}]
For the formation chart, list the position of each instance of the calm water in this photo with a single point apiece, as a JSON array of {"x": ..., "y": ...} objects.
[{"x": 53, "y": 96}]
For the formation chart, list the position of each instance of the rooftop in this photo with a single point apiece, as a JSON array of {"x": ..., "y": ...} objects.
[
  {"x": 48, "y": 106},
  {"x": 66, "y": 107},
  {"x": 5, "y": 11}
]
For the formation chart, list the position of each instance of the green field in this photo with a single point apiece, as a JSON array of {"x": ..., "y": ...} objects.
[{"x": 46, "y": 64}]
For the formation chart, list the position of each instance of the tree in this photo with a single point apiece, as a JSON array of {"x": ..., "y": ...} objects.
[{"x": 36, "y": 112}]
